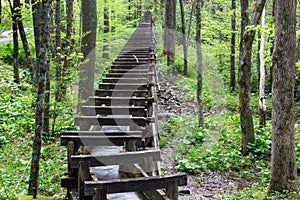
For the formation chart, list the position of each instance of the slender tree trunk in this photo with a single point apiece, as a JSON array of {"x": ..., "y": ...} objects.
[
  {"x": 25, "y": 44},
  {"x": 199, "y": 64},
  {"x": 36, "y": 21},
  {"x": 86, "y": 74},
  {"x": 262, "y": 80},
  {"x": 58, "y": 69},
  {"x": 184, "y": 44},
  {"x": 232, "y": 52},
  {"x": 0, "y": 12},
  {"x": 42, "y": 64},
  {"x": 15, "y": 40},
  {"x": 67, "y": 47},
  {"x": 283, "y": 159},
  {"x": 190, "y": 25},
  {"x": 247, "y": 37},
  {"x": 169, "y": 30},
  {"x": 105, "y": 53}
]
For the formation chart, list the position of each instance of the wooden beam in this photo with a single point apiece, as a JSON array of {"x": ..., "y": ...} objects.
[
  {"x": 119, "y": 101},
  {"x": 136, "y": 184},
  {"x": 120, "y": 93},
  {"x": 101, "y": 133},
  {"x": 113, "y": 121},
  {"x": 99, "y": 140},
  {"x": 125, "y": 80},
  {"x": 115, "y": 159},
  {"x": 139, "y": 111},
  {"x": 124, "y": 86}
]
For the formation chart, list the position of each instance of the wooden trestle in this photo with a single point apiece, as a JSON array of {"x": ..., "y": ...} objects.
[{"x": 123, "y": 113}]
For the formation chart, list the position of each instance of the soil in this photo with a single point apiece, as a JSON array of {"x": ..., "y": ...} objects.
[{"x": 205, "y": 185}]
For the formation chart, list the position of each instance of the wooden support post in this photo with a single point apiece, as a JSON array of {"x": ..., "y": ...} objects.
[
  {"x": 100, "y": 194},
  {"x": 72, "y": 149},
  {"x": 83, "y": 175},
  {"x": 172, "y": 190}
]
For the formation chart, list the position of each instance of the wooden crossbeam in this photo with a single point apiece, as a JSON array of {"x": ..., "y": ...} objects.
[
  {"x": 121, "y": 93},
  {"x": 116, "y": 159},
  {"x": 118, "y": 101},
  {"x": 124, "y": 86},
  {"x": 136, "y": 184},
  {"x": 125, "y": 80},
  {"x": 101, "y": 133},
  {"x": 99, "y": 140},
  {"x": 114, "y": 110},
  {"x": 113, "y": 120},
  {"x": 129, "y": 75}
]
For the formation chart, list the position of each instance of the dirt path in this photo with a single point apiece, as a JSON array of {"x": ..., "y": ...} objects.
[{"x": 205, "y": 185}]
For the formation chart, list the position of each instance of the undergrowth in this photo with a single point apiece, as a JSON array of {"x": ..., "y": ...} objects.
[{"x": 217, "y": 147}]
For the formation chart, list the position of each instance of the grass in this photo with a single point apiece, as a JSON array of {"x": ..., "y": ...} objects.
[{"x": 219, "y": 147}]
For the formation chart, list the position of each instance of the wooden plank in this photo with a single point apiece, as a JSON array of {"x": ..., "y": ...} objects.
[
  {"x": 115, "y": 159},
  {"x": 135, "y": 184},
  {"x": 129, "y": 70},
  {"x": 129, "y": 75},
  {"x": 99, "y": 140},
  {"x": 131, "y": 59},
  {"x": 138, "y": 111},
  {"x": 121, "y": 93},
  {"x": 101, "y": 133},
  {"x": 118, "y": 101},
  {"x": 130, "y": 66},
  {"x": 113, "y": 121},
  {"x": 69, "y": 182},
  {"x": 124, "y": 86},
  {"x": 125, "y": 80}
]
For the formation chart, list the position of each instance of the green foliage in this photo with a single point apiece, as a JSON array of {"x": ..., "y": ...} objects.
[{"x": 17, "y": 126}]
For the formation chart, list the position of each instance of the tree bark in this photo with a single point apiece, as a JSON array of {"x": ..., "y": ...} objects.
[
  {"x": 25, "y": 44},
  {"x": 262, "y": 77},
  {"x": 105, "y": 53},
  {"x": 15, "y": 18},
  {"x": 36, "y": 21},
  {"x": 0, "y": 12},
  {"x": 169, "y": 30},
  {"x": 232, "y": 52},
  {"x": 283, "y": 159},
  {"x": 86, "y": 74},
  {"x": 42, "y": 63},
  {"x": 184, "y": 44},
  {"x": 247, "y": 37},
  {"x": 67, "y": 47},
  {"x": 199, "y": 64}
]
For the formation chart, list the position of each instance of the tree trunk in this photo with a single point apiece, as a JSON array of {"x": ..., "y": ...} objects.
[
  {"x": 37, "y": 21},
  {"x": 67, "y": 47},
  {"x": 169, "y": 30},
  {"x": 105, "y": 53},
  {"x": 26, "y": 46},
  {"x": 42, "y": 63},
  {"x": 15, "y": 18},
  {"x": 199, "y": 64},
  {"x": 184, "y": 44},
  {"x": 86, "y": 74},
  {"x": 232, "y": 52},
  {"x": 262, "y": 77},
  {"x": 0, "y": 12},
  {"x": 247, "y": 37},
  {"x": 283, "y": 159},
  {"x": 58, "y": 68}
]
